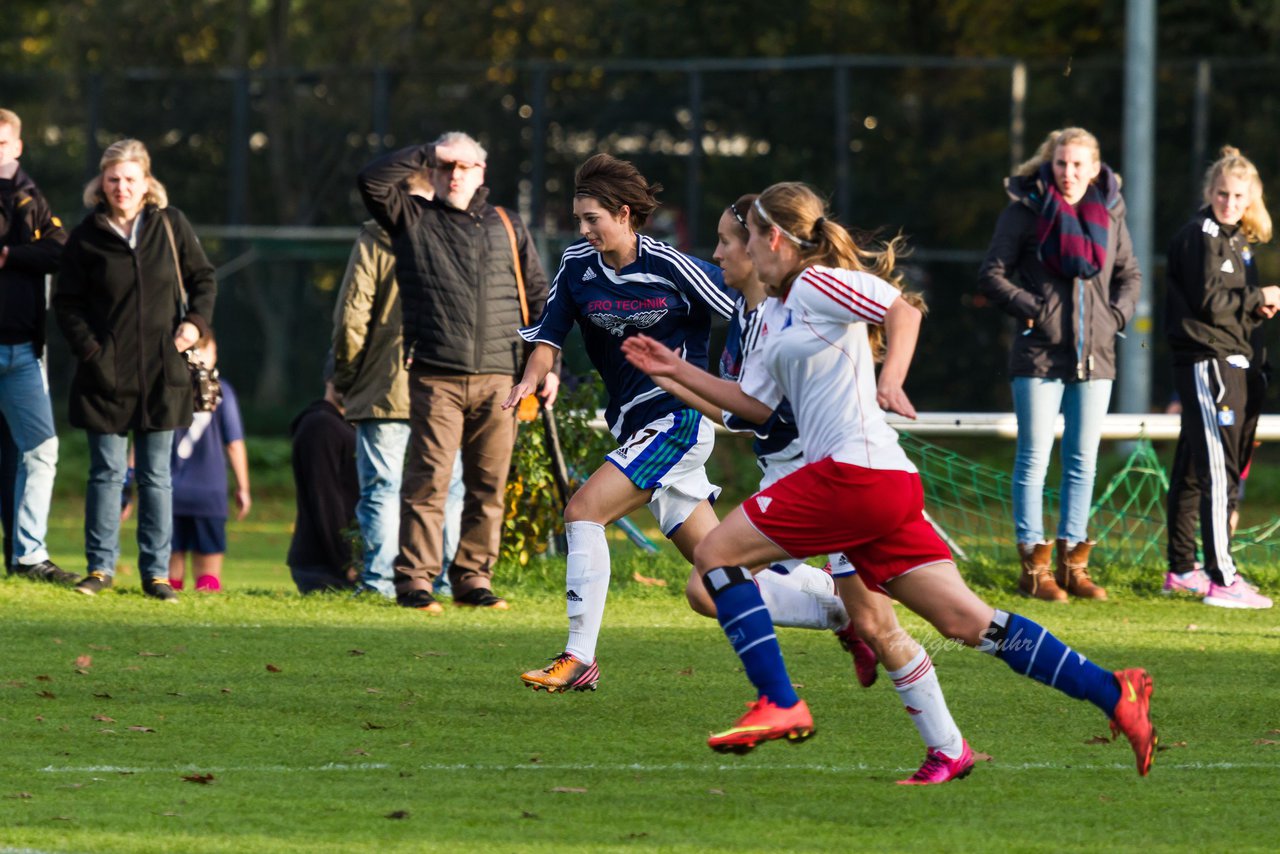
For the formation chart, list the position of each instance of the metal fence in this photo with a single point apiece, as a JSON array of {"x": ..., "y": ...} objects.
[{"x": 912, "y": 143}]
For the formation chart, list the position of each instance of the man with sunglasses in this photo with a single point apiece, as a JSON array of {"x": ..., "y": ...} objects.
[{"x": 462, "y": 305}]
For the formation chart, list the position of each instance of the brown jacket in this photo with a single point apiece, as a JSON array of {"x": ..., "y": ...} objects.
[{"x": 368, "y": 331}]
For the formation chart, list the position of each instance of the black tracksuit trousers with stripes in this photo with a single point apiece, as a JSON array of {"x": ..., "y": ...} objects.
[{"x": 1215, "y": 442}]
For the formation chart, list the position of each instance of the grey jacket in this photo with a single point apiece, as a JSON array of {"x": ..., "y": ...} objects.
[{"x": 1066, "y": 328}]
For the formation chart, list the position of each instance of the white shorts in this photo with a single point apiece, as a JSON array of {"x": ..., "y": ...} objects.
[{"x": 669, "y": 456}]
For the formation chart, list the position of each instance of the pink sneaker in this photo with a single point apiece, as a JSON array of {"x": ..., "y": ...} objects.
[
  {"x": 937, "y": 768},
  {"x": 175, "y": 583},
  {"x": 864, "y": 657},
  {"x": 1240, "y": 594},
  {"x": 209, "y": 584},
  {"x": 1196, "y": 582}
]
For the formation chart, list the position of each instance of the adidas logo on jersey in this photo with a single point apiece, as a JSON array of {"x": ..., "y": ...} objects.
[
  {"x": 572, "y": 596},
  {"x": 589, "y": 275},
  {"x": 763, "y": 502}
]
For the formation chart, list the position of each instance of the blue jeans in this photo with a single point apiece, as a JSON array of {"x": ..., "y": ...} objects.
[
  {"x": 108, "y": 461},
  {"x": 452, "y": 524},
  {"x": 380, "y": 447},
  {"x": 1036, "y": 402},
  {"x": 25, "y": 405}
]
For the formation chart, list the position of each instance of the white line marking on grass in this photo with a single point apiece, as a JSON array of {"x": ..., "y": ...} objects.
[{"x": 672, "y": 767}]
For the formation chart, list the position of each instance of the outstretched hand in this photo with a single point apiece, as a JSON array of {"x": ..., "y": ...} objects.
[
  {"x": 519, "y": 392},
  {"x": 652, "y": 357},
  {"x": 892, "y": 398}
]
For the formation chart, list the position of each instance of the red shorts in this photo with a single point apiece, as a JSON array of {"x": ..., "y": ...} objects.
[{"x": 875, "y": 517}]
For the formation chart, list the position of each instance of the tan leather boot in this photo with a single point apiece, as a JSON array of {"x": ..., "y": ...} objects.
[
  {"x": 1037, "y": 578},
  {"x": 1073, "y": 570}
]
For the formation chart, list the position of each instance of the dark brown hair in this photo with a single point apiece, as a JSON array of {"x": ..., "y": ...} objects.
[{"x": 614, "y": 183}]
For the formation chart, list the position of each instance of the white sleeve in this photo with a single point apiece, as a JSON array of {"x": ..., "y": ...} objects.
[
  {"x": 756, "y": 381},
  {"x": 843, "y": 295}
]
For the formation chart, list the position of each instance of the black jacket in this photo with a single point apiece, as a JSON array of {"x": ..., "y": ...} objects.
[
  {"x": 1211, "y": 293},
  {"x": 118, "y": 308},
  {"x": 324, "y": 477},
  {"x": 456, "y": 272},
  {"x": 1073, "y": 331},
  {"x": 34, "y": 237}
]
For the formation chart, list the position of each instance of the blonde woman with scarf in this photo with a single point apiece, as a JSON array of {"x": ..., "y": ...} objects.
[{"x": 1061, "y": 263}]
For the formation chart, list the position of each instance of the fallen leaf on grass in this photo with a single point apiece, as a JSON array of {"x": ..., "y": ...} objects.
[
  {"x": 175, "y": 693},
  {"x": 141, "y": 729},
  {"x": 1192, "y": 627},
  {"x": 715, "y": 791},
  {"x": 398, "y": 814},
  {"x": 226, "y": 690},
  {"x": 43, "y": 678},
  {"x": 104, "y": 719},
  {"x": 373, "y": 690},
  {"x": 202, "y": 779},
  {"x": 103, "y": 696},
  {"x": 80, "y": 671},
  {"x": 168, "y": 814},
  {"x": 355, "y": 652},
  {"x": 371, "y": 725},
  {"x": 523, "y": 814},
  {"x": 431, "y": 653},
  {"x": 271, "y": 668},
  {"x": 569, "y": 790},
  {"x": 84, "y": 660},
  {"x": 48, "y": 695},
  {"x": 97, "y": 647},
  {"x": 1171, "y": 745},
  {"x": 647, "y": 581},
  {"x": 22, "y": 796},
  {"x": 16, "y": 684},
  {"x": 39, "y": 719},
  {"x": 688, "y": 671},
  {"x": 1098, "y": 739},
  {"x": 979, "y": 756},
  {"x": 359, "y": 751},
  {"x": 1105, "y": 799},
  {"x": 106, "y": 732},
  {"x": 61, "y": 818},
  {"x": 1273, "y": 732},
  {"x": 145, "y": 654},
  {"x": 1265, "y": 741}
]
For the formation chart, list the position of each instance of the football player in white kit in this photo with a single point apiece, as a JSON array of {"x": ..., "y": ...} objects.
[
  {"x": 865, "y": 615},
  {"x": 819, "y": 333}
]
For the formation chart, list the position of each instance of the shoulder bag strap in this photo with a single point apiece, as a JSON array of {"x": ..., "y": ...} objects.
[
  {"x": 177, "y": 268},
  {"x": 515, "y": 258}
]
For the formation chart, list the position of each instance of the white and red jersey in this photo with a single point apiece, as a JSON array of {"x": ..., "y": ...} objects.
[{"x": 813, "y": 350}]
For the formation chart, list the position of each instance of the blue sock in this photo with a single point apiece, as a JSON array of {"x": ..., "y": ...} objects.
[
  {"x": 1031, "y": 650},
  {"x": 746, "y": 622}
]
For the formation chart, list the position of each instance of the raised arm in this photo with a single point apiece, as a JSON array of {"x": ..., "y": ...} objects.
[
  {"x": 658, "y": 360},
  {"x": 382, "y": 186}
]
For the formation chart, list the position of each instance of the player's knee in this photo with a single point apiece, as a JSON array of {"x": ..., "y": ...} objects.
[{"x": 695, "y": 592}]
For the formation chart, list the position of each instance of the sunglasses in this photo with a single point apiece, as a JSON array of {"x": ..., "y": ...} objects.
[{"x": 450, "y": 165}]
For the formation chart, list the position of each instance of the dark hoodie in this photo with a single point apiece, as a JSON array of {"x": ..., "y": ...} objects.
[
  {"x": 1073, "y": 328},
  {"x": 324, "y": 476},
  {"x": 34, "y": 237}
]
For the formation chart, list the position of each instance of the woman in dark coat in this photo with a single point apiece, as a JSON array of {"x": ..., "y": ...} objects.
[
  {"x": 1061, "y": 263},
  {"x": 121, "y": 307}
]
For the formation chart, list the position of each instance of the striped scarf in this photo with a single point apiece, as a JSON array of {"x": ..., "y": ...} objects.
[{"x": 1072, "y": 243}]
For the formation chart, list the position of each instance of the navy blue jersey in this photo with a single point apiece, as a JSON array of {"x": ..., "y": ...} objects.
[
  {"x": 777, "y": 438},
  {"x": 664, "y": 293}
]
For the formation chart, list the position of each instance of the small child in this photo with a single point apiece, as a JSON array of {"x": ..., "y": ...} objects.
[{"x": 200, "y": 484}]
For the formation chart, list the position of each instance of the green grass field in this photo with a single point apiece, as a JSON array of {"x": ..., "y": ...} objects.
[{"x": 257, "y": 720}]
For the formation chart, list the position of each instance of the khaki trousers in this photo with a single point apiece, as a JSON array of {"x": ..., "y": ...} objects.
[{"x": 448, "y": 412}]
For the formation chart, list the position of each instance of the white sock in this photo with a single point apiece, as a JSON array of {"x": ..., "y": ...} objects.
[
  {"x": 586, "y": 587},
  {"x": 917, "y": 685},
  {"x": 798, "y": 608}
]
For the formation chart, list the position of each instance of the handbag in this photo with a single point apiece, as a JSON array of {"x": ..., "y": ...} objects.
[
  {"x": 206, "y": 389},
  {"x": 528, "y": 407}
]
